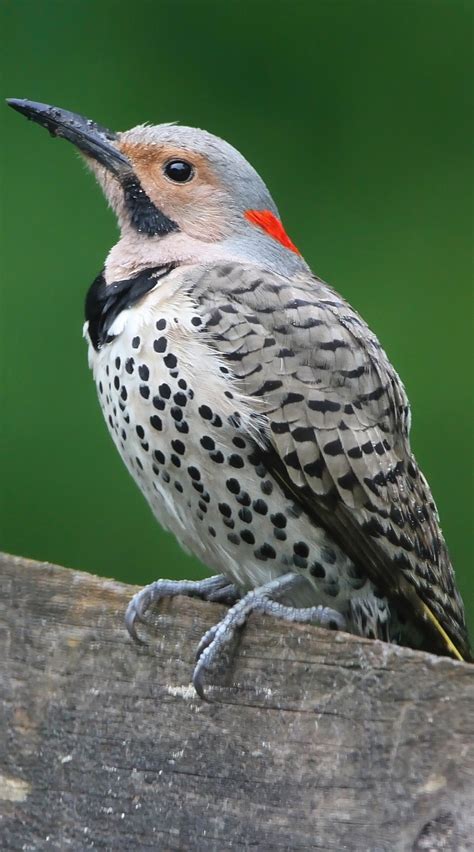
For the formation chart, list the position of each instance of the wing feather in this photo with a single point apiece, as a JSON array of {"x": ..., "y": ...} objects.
[{"x": 337, "y": 431}]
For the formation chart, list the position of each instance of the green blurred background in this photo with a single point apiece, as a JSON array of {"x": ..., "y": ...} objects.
[{"x": 358, "y": 116}]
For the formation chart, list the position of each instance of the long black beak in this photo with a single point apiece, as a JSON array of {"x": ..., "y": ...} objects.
[
  {"x": 89, "y": 137},
  {"x": 97, "y": 142}
]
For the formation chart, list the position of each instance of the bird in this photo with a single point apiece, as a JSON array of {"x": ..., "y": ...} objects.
[{"x": 254, "y": 408}]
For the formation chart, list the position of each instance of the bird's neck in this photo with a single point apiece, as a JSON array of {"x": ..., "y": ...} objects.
[{"x": 135, "y": 252}]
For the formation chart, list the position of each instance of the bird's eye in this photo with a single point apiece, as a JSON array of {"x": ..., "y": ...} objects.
[{"x": 178, "y": 171}]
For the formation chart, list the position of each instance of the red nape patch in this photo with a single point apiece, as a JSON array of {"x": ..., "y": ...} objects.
[{"x": 268, "y": 222}]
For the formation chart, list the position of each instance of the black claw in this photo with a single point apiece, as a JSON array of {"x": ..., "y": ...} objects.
[
  {"x": 199, "y": 653},
  {"x": 202, "y": 647},
  {"x": 131, "y": 619},
  {"x": 227, "y": 595},
  {"x": 198, "y": 682},
  {"x": 138, "y": 641}
]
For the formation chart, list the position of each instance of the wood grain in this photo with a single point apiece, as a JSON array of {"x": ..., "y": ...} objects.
[{"x": 309, "y": 740}]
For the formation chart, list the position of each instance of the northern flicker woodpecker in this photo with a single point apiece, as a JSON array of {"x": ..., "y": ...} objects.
[{"x": 253, "y": 406}]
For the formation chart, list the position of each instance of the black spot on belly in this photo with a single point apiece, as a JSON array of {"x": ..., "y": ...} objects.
[
  {"x": 156, "y": 422},
  {"x": 247, "y": 536},
  {"x": 235, "y": 460},
  {"x": 279, "y": 534},
  {"x": 160, "y": 344},
  {"x": 245, "y": 515},
  {"x": 260, "y": 506},
  {"x": 170, "y": 361},
  {"x": 178, "y": 446},
  {"x": 205, "y": 412},
  {"x": 233, "y": 486},
  {"x": 317, "y": 570},
  {"x": 266, "y": 551},
  {"x": 301, "y": 549}
]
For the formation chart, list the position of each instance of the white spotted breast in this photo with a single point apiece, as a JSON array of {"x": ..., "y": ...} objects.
[{"x": 192, "y": 441}]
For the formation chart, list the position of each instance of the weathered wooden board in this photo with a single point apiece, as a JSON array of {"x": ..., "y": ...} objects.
[{"x": 312, "y": 740}]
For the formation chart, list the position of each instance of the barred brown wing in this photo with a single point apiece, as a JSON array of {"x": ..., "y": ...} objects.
[{"x": 336, "y": 431}]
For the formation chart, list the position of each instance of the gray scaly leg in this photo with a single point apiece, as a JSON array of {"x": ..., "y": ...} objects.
[
  {"x": 215, "y": 588},
  {"x": 258, "y": 600}
]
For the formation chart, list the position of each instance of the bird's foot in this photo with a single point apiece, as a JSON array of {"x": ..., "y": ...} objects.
[
  {"x": 215, "y": 588},
  {"x": 217, "y": 638}
]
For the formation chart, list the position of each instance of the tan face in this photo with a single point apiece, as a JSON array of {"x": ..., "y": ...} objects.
[
  {"x": 221, "y": 211},
  {"x": 199, "y": 204}
]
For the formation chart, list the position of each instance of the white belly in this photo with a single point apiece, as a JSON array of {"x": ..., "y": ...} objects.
[{"x": 184, "y": 433}]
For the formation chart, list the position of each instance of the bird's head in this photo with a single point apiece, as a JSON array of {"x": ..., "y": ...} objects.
[{"x": 179, "y": 193}]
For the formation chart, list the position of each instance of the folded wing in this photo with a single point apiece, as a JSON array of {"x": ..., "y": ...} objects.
[{"x": 337, "y": 432}]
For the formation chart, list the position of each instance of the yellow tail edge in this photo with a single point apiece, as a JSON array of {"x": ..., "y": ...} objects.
[{"x": 449, "y": 643}]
